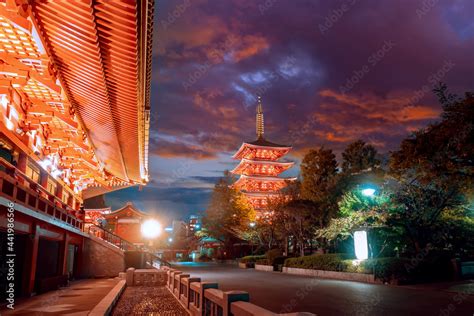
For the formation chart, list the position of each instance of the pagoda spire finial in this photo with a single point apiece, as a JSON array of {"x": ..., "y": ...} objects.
[{"x": 260, "y": 126}]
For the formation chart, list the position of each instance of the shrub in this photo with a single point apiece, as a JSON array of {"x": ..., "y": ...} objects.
[
  {"x": 264, "y": 262},
  {"x": 204, "y": 258},
  {"x": 388, "y": 269},
  {"x": 272, "y": 254},
  {"x": 251, "y": 259},
  {"x": 330, "y": 262}
]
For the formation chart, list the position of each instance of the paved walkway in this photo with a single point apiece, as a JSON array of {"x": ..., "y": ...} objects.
[
  {"x": 289, "y": 293},
  {"x": 75, "y": 300}
]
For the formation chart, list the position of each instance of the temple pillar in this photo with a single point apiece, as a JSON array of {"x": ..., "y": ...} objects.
[
  {"x": 63, "y": 255},
  {"x": 30, "y": 261}
]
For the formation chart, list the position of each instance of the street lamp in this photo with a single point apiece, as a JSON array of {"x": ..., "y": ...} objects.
[{"x": 151, "y": 229}]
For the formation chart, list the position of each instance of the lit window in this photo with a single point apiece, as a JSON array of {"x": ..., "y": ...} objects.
[
  {"x": 51, "y": 186},
  {"x": 32, "y": 172},
  {"x": 65, "y": 197}
]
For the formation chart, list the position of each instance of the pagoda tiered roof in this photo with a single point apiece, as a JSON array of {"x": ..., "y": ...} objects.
[
  {"x": 261, "y": 183},
  {"x": 261, "y": 149},
  {"x": 261, "y": 167}
]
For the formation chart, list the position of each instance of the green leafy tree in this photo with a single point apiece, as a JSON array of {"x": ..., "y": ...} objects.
[
  {"x": 444, "y": 150},
  {"x": 296, "y": 219},
  {"x": 420, "y": 210},
  {"x": 359, "y": 156},
  {"x": 434, "y": 167},
  {"x": 357, "y": 210},
  {"x": 318, "y": 172}
]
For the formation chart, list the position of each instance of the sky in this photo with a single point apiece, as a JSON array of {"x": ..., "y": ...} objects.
[{"x": 328, "y": 72}]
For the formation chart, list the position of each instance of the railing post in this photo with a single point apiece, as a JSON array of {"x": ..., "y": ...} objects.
[
  {"x": 187, "y": 295},
  {"x": 204, "y": 287},
  {"x": 177, "y": 289},
  {"x": 233, "y": 296},
  {"x": 130, "y": 276}
]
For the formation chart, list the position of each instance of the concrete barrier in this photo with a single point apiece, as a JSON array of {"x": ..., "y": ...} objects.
[
  {"x": 348, "y": 276},
  {"x": 262, "y": 267},
  {"x": 248, "y": 265},
  {"x": 108, "y": 302}
]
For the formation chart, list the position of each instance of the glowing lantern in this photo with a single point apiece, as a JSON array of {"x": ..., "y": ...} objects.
[{"x": 361, "y": 245}]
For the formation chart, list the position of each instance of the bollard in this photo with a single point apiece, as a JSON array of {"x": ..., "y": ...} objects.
[{"x": 129, "y": 276}]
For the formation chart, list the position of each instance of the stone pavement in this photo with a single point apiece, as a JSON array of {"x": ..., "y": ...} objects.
[
  {"x": 288, "y": 293},
  {"x": 146, "y": 300},
  {"x": 75, "y": 300}
]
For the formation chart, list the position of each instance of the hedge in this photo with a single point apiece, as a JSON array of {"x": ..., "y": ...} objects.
[
  {"x": 385, "y": 269},
  {"x": 251, "y": 259},
  {"x": 330, "y": 262},
  {"x": 264, "y": 262}
]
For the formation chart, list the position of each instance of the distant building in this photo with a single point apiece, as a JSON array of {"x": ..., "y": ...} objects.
[
  {"x": 194, "y": 224},
  {"x": 126, "y": 223}
]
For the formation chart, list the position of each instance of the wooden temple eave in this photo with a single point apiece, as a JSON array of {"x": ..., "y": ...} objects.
[{"x": 66, "y": 71}]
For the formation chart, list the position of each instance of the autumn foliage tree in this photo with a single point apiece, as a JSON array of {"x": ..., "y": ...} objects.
[{"x": 228, "y": 214}]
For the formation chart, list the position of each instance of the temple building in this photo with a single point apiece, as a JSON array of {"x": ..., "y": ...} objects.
[
  {"x": 126, "y": 223},
  {"x": 259, "y": 168},
  {"x": 74, "y": 123}
]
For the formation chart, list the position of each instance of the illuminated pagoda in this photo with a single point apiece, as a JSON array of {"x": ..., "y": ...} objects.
[{"x": 259, "y": 167}]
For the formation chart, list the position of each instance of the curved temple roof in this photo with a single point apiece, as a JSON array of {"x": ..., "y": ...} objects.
[
  {"x": 102, "y": 51},
  {"x": 75, "y": 88}
]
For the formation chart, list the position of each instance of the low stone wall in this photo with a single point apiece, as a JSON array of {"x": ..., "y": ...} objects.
[
  {"x": 108, "y": 302},
  {"x": 248, "y": 265},
  {"x": 204, "y": 298},
  {"x": 262, "y": 267},
  {"x": 101, "y": 259},
  {"x": 348, "y": 276}
]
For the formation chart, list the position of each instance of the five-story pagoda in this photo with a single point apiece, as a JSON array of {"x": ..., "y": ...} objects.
[{"x": 259, "y": 168}]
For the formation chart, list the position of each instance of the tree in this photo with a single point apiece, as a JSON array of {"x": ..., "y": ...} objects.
[
  {"x": 228, "y": 213},
  {"x": 444, "y": 150},
  {"x": 296, "y": 219},
  {"x": 359, "y": 156},
  {"x": 318, "y": 171},
  {"x": 435, "y": 169},
  {"x": 356, "y": 211},
  {"x": 421, "y": 208}
]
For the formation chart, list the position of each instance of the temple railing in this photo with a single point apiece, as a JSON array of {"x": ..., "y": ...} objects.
[
  {"x": 19, "y": 188},
  {"x": 110, "y": 237}
]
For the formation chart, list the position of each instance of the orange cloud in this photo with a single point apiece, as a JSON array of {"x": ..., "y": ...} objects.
[{"x": 250, "y": 45}]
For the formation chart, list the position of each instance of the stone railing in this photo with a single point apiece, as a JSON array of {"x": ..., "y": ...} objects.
[
  {"x": 147, "y": 277},
  {"x": 204, "y": 298}
]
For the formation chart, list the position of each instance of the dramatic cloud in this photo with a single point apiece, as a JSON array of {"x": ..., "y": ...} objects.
[{"x": 325, "y": 78}]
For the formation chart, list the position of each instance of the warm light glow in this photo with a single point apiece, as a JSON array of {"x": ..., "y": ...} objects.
[
  {"x": 252, "y": 224},
  {"x": 151, "y": 228},
  {"x": 368, "y": 192},
  {"x": 361, "y": 245}
]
